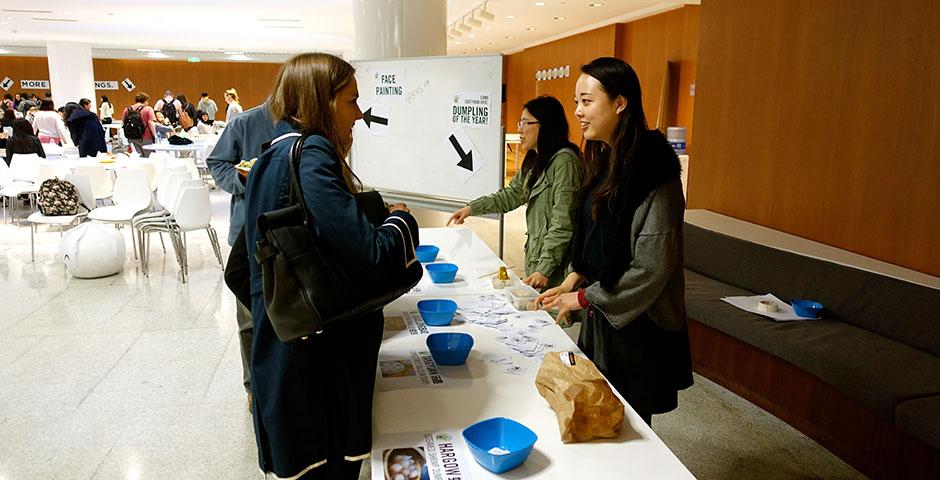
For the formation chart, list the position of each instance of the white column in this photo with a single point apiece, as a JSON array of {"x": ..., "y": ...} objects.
[
  {"x": 71, "y": 73},
  {"x": 399, "y": 28}
]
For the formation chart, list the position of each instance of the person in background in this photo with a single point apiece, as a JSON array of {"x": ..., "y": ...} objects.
[
  {"x": 313, "y": 399},
  {"x": 243, "y": 139},
  {"x": 234, "y": 108},
  {"x": 548, "y": 184},
  {"x": 9, "y": 116},
  {"x": 7, "y": 103},
  {"x": 106, "y": 110},
  {"x": 17, "y": 99},
  {"x": 86, "y": 130},
  {"x": 48, "y": 124},
  {"x": 208, "y": 105},
  {"x": 170, "y": 106},
  {"x": 142, "y": 107},
  {"x": 187, "y": 107},
  {"x": 23, "y": 140},
  {"x": 29, "y": 101},
  {"x": 61, "y": 111},
  {"x": 627, "y": 248}
]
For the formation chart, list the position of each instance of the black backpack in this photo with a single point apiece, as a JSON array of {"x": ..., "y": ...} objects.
[
  {"x": 169, "y": 111},
  {"x": 133, "y": 124},
  {"x": 57, "y": 197}
]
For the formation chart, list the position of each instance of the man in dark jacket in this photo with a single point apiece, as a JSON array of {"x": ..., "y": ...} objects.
[{"x": 86, "y": 130}]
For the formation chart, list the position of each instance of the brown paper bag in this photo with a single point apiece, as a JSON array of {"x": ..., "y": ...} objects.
[{"x": 585, "y": 405}]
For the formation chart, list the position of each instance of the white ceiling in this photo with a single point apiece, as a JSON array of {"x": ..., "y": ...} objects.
[{"x": 272, "y": 30}]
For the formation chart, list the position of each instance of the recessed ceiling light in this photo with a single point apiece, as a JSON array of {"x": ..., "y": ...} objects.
[
  {"x": 472, "y": 36},
  {"x": 598, "y": 4},
  {"x": 529, "y": 29},
  {"x": 559, "y": 18},
  {"x": 458, "y": 42},
  {"x": 508, "y": 37},
  {"x": 539, "y": 4},
  {"x": 149, "y": 50},
  {"x": 510, "y": 16}
]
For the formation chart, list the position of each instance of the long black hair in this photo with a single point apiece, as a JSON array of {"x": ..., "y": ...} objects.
[
  {"x": 617, "y": 78},
  {"x": 23, "y": 138},
  {"x": 553, "y": 135}
]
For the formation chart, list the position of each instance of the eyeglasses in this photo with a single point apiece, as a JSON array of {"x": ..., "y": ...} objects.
[{"x": 522, "y": 124}]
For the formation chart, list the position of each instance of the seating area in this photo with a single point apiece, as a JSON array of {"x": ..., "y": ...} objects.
[
  {"x": 171, "y": 194},
  {"x": 864, "y": 381}
]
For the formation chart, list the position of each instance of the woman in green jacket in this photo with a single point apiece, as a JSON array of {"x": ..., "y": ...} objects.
[{"x": 548, "y": 184}]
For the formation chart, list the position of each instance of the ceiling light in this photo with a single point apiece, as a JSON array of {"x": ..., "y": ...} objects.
[
  {"x": 157, "y": 55},
  {"x": 510, "y": 16},
  {"x": 149, "y": 50},
  {"x": 529, "y": 29},
  {"x": 539, "y": 4},
  {"x": 234, "y": 53},
  {"x": 487, "y": 28},
  {"x": 508, "y": 37},
  {"x": 472, "y": 36},
  {"x": 67, "y": 13},
  {"x": 598, "y": 4},
  {"x": 559, "y": 18},
  {"x": 14, "y": 10},
  {"x": 485, "y": 15},
  {"x": 239, "y": 57},
  {"x": 458, "y": 42},
  {"x": 474, "y": 22}
]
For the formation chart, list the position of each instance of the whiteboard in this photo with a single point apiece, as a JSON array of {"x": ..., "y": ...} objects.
[{"x": 431, "y": 129}]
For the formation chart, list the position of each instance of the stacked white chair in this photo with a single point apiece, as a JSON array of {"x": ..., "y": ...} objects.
[
  {"x": 188, "y": 209},
  {"x": 131, "y": 197},
  {"x": 83, "y": 185}
]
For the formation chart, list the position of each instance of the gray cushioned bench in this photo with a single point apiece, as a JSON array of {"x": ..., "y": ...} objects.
[{"x": 879, "y": 341}]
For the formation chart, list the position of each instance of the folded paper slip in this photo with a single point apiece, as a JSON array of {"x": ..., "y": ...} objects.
[{"x": 583, "y": 401}]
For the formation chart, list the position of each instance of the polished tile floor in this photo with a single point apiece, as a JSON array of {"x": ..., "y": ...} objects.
[{"x": 128, "y": 377}]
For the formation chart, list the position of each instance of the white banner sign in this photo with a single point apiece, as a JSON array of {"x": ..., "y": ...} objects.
[
  {"x": 6, "y": 83},
  {"x": 34, "y": 84},
  {"x": 106, "y": 85}
]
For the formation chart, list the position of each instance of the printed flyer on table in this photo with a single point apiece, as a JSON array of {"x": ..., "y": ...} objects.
[{"x": 421, "y": 455}]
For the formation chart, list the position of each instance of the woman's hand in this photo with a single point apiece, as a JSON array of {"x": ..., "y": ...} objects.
[
  {"x": 536, "y": 280},
  {"x": 398, "y": 206},
  {"x": 458, "y": 217},
  {"x": 564, "y": 303}
]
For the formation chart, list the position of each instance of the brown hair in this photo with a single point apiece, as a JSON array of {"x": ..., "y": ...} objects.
[
  {"x": 141, "y": 97},
  {"x": 232, "y": 93},
  {"x": 304, "y": 95}
]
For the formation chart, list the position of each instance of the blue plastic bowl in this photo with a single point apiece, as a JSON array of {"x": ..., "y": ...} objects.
[
  {"x": 506, "y": 434},
  {"x": 450, "y": 348},
  {"x": 426, "y": 253},
  {"x": 806, "y": 308},
  {"x": 437, "y": 313},
  {"x": 442, "y": 272}
]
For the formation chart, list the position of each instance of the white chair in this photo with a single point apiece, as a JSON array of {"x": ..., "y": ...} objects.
[
  {"x": 157, "y": 221},
  {"x": 192, "y": 211},
  {"x": 188, "y": 162},
  {"x": 102, "y": 184},
  {"x": 131, "y": 196},
  {"x": 24, "y": 170},
  {"x": 83, "y": 185},
  {"x": 148, "y": 168}
]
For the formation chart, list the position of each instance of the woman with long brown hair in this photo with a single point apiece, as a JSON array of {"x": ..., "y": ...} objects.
[
  {"x": 627, "y": 249},
  {"x": 313, "y": 396}
]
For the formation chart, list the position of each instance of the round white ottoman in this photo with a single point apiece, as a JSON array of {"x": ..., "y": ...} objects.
[{"x": 93, "y": 250}]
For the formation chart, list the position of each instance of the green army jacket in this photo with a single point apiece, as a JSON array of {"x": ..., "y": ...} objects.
[{"x": 551, "y": 213}]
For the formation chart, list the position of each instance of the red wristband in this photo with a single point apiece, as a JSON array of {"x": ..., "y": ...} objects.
[{"x": 582, "y": 300}]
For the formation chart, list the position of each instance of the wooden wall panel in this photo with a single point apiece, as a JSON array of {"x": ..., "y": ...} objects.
[
  {"x": 820, "y": 119},
  {"x": 648, "y": 44},
  {"x": 252, "y": 80}
]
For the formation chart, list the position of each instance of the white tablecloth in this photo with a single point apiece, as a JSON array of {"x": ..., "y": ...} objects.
[{"x": 481, "y": 389}]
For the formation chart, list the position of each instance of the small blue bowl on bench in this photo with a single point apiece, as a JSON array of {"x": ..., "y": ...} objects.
[
  {"x": 437, "y": 312},
  {"x": 426, "y": 253},
  {"x": 442, "y": 272},
  {"x": 806, "y": 308}
]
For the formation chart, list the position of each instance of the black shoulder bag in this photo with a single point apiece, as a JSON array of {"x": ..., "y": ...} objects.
[{"x": 305, "y": 290}]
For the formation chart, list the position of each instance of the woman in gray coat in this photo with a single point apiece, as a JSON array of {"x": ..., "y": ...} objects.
[{"x": 627, "y": 248}]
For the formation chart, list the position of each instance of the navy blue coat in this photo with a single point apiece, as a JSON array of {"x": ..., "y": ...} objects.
[
  {"x": 313, "y": 397},
  {"x": 87, "y": 133}
]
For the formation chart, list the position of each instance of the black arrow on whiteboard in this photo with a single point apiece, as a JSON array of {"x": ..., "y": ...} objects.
[
  {"x": 369, "y": 118},
  {"x": 466, "y": 158}
]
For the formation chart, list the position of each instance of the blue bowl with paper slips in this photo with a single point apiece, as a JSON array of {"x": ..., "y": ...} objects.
[
  {"x": 499, "y": 444},
  {"x": 450, "y": 348},
  {"x": 806, "y": 308},
  {"x": 426, "y": 253},
  {"x": 438, "y": 312},
  {"x": 442, "y": 272}
]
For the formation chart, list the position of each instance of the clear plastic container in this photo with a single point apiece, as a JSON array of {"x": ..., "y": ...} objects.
[{"x": 522, "y": 296}]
